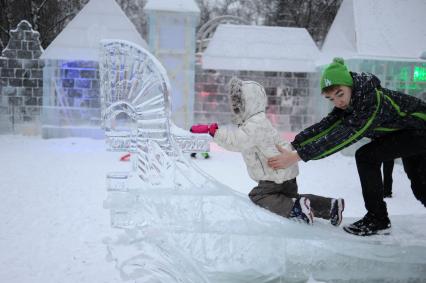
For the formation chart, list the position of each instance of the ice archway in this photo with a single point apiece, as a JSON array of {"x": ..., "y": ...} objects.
[{"x": 181, "y": 225}]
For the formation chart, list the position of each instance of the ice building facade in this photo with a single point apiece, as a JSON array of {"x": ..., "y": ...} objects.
[
  {"x": 282, "y": 59},
  {"x": 71, "y": 90},
  {"x": 21, "y": 82},
  {"x": 181, "y": 225}
]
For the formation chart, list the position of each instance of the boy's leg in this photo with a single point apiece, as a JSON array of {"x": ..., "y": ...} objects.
[
  {"x": 369, "y": 158},
  {"x": 371, "y": 178},
  {"x": 387, "y": 177},
  {"x": 270, "y": 196},
  {"x": 415, "y": 167}
]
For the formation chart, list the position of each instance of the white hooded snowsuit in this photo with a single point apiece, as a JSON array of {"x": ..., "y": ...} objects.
[{"x": 255, "y": 138}]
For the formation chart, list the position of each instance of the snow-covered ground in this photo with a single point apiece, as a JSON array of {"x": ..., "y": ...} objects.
[{"x": 52, "y": 223}]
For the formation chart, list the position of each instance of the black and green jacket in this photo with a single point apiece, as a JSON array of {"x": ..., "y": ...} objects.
[{"x": 373, "y": 112}]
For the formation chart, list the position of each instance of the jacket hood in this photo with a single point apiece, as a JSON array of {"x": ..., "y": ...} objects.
[
  {"x": 364, "y": 82},
  {"x": 247, "y": 99}
]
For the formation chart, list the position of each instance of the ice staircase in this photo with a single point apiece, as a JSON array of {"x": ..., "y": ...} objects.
[{"x": 181, "y": 225}]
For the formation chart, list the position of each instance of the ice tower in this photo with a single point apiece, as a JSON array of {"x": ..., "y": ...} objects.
[{"x": 171, "y": 37}]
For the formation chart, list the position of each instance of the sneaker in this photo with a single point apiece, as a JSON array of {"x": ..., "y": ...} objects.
[
  {"x": 301, "y": 210},
  {"x": 337, "y": 207},
  {"x": 194, "y": 155},
  {"x": 369, "y": 225}
]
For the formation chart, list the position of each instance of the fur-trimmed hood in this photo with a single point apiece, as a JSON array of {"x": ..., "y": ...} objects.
[{"x": 248, "y": 98}]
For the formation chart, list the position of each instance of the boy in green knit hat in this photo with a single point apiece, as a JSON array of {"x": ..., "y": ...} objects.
[{"x": 395, "y": 122}]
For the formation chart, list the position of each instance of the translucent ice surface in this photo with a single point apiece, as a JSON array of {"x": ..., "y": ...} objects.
[{"x": 181, "y": 225}]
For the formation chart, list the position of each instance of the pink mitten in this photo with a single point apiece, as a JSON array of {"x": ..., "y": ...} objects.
[
  {"x": 204, "y": 129},
  {"x": 200, "y": 129},
  {"x": 212, "y": 129}
]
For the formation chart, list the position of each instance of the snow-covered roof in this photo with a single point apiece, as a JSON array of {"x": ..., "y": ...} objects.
[
  {"x": 99, "y": 19},
  {"x": 174, "y": 5},
  {"x": 377, "y": 29},
  {"x": 261, "y": 48}
]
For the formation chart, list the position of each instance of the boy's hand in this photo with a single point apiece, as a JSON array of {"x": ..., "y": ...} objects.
[
  {"x": 284, "y": 160},
  {"x": 204, "y": 129}
]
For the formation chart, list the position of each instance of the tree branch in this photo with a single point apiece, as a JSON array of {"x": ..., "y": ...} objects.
[
  {"x": 59, "y": 22},
  {"x": 326, "y": 8},
  {"x": 293, "y": 11},
  {"x": 41, "y": 6},
  {"x": 4, "y": 30}
]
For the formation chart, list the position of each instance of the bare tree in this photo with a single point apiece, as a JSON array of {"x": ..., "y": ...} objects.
[
  {"x": 49, "y": 17},
  {"x": 45, "y": 16},
  {"x": 250, "y": 10},
  {"x": 4, "y": 21},
  {"x": 134, "y": 11},
  {"x": 35, "y": 12},
  {"x": 314, "y": 15}
]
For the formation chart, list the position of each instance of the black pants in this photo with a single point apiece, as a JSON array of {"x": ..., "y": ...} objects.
[
  {"x": 408, "y": 145},
  {"x": 387, "y": 177}
]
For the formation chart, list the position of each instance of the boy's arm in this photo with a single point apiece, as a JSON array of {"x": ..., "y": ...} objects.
[
  {"x": 347, "y": 132},
  {"x": 319, "y": 129}
]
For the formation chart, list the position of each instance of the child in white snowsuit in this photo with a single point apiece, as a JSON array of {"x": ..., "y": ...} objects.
[{"x": 256, "y": 139}]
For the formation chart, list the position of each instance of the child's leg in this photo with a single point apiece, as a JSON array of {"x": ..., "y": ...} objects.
[
  {"x": 320, "y": 205},
  {"x": 270, "y": 196}
]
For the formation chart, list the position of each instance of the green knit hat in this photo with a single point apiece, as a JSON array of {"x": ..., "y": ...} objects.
[{"x": 336, "y": 74}]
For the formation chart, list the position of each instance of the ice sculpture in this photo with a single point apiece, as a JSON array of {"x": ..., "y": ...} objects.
[
  {"x": 131, "y": 82},
  {"x": 181, "y": 225}
]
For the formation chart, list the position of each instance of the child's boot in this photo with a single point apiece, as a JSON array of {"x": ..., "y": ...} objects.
[
  {"x": 302, "y": 210},
  {"x": 336, "y": 212}
]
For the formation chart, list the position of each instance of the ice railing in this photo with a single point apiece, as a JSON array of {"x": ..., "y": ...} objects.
[{"x": 181, "y": 225}]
